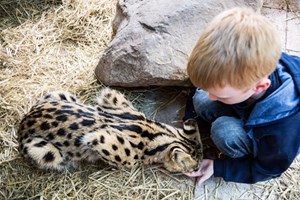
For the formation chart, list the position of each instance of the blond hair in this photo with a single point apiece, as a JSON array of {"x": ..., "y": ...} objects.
[{"x": 238, "y": 48}]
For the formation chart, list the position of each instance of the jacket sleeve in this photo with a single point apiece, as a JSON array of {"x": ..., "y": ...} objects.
[{"x": 275, "y": 146}]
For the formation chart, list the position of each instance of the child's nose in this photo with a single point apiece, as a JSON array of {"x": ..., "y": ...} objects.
[{"x": 212, "y": 97}]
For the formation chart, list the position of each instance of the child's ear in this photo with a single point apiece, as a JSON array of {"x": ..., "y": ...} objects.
[{"x": 262, "y": 85}]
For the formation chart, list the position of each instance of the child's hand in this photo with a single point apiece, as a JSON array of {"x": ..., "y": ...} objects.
[{"x": 205, "y": 171}]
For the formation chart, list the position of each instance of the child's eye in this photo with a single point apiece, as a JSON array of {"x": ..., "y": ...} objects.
[{"x": 224, "y": 98}]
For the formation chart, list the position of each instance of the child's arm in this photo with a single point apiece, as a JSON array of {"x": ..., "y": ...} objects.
[{"x": 275, "y": 147}]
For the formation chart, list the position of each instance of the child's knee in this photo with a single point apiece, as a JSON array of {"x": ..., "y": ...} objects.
[
  {"x": 200, "y": 100},
  {"x": 202, "y": 105},
  {"x": 229, "y": 136}
]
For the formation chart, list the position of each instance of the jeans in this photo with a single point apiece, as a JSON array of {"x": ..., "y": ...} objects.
[{"x": 227, "y": 130}]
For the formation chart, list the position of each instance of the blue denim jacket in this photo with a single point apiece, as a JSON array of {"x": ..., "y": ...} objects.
[{"x": 274, "y": 127}]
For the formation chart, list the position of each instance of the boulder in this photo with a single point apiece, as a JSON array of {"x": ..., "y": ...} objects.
[{"x": 152, "y": 40}]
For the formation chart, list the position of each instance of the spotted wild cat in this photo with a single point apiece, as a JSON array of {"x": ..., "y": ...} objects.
[{"x": 59, "y": 132}]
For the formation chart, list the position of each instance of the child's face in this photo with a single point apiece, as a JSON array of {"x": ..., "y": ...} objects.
[{"x": 229, "y": 95}]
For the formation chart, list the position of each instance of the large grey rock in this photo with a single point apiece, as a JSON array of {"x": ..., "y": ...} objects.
[
  {"x": 290, "y": 5},
  {"x": 153, "y": 39}
]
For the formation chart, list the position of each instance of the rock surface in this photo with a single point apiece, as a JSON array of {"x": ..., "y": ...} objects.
[{"x": 153, "y": 39}]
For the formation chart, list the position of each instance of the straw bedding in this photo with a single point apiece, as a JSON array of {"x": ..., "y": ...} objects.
[{"x": 55, "y": 45}]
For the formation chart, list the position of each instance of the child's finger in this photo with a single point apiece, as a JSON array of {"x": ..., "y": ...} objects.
[
  {"x": 194, "y": 174},
  {"x": 200, "y": 181}
]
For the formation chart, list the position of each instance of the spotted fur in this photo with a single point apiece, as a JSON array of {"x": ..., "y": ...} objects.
[{"x": 59, "y": 132}]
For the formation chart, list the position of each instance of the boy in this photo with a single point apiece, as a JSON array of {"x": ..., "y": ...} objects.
[{"x": 249, "y": 92}]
